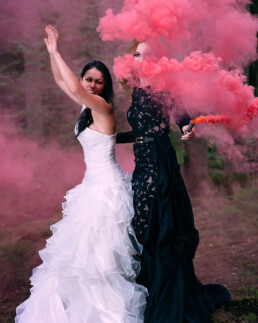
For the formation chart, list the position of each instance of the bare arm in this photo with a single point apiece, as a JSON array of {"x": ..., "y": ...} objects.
[
  {"x": 68, "y": 81},
  {"x": 92, "y": 101},
  {"x": 52, "y": 47},
  {"x": 60, "y": 82}
]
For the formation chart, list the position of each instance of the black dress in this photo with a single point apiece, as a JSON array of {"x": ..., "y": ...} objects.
[{"x": 163, "y": 219}]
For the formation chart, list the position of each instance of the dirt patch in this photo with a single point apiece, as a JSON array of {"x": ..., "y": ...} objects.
[{"x": 227, "y": 254}]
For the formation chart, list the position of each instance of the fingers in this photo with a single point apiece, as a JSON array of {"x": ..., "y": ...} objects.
[
  {"x": 51, "y": 40},
  {"x": 50, "y": 30},
  {"x": 189, "y": 135}
]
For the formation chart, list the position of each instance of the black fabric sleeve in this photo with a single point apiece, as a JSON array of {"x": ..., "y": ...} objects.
[
  {"x": 180, "y": 115},
  {"x": 184, "y": 120},
  {"x": 125, "y": 137}
]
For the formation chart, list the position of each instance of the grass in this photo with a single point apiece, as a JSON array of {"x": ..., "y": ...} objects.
[{"x": 243, "y": 310}]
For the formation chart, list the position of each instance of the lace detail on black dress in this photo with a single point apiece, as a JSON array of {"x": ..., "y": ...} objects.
[
  {"x": 163, "y": 220},
  {"x": 143, "y": 184},
  {"x": 148, "y": 116}
]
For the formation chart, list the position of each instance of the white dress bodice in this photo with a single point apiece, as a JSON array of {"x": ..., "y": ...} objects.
[{"x": 100, "y": 157}]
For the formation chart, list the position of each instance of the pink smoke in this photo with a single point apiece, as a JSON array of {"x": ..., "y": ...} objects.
[
  {"x": 198, "y": 47},
  {"x": 200, "y": 82},
  {"x": 224, "y": 27},
  {"x": 35, "y": 176}
]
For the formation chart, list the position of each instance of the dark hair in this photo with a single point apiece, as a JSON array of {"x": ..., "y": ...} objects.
[{"x": 85, "y": 119}]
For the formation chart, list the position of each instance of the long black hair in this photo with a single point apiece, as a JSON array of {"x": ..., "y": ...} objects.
[{"x": 85, "y": 119}]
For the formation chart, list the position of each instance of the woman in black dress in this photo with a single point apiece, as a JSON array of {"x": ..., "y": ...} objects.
[{"x": 163, "y": 220}]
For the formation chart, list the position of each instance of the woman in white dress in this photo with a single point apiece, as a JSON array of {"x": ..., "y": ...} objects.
[{"x": 90, "y": 263}]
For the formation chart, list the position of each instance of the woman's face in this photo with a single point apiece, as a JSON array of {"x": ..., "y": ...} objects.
[
  {"x": 142, "y": 51},
  {"x": 93, "y": 81}
]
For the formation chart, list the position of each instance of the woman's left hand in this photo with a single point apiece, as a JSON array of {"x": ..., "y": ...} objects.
[{"x": 188, "y": 135}]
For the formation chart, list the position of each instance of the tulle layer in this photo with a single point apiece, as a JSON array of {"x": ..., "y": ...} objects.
[{"x": 90, "y": 262}]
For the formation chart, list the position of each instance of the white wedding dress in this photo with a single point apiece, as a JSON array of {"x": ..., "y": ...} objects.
[{"x": 90, "y": 262}]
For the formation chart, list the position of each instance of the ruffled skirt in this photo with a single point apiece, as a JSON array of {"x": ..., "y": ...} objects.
[{"x": 90, "y": 263}]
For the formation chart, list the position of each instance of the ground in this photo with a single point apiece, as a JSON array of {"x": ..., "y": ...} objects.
[{"x": 227, "y": 253}]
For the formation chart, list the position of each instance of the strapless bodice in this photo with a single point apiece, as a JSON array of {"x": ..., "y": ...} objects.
[{"x": 100, "y": 157}]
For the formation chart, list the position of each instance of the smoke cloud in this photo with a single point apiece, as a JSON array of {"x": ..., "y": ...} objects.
[
  {"x": 34, "y": 176},
  {"x": 198, "y": 51},
  {"x": 224, "y": 27}
]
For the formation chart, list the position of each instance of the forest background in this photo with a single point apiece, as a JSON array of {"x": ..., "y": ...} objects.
[{"x": 40, "y": 158}]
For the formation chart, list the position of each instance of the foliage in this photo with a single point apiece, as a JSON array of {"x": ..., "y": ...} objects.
[
  {"x": 178, "y": 144},
  {"x": 216, "y": 165}
]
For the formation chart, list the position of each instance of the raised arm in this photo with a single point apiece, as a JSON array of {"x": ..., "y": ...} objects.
[
  {"x": 52, "y": 47},
  {"x": 60, "y": 82},
  {"x": 68, "y": 81}
]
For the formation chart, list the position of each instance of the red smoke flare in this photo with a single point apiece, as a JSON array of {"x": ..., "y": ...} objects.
[
  {"x": 212, "y": 119},
  {"x": 241, "y": 121}
]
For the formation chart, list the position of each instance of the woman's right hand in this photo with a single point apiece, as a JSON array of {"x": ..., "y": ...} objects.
[
  {"x": 188, "y": 135},
  {"x": 52, "y": 39}
]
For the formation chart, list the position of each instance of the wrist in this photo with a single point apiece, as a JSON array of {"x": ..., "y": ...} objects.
[{"x": 54, "y": 53}]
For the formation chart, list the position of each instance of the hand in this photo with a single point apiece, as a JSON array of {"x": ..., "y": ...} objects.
[
  {"x": 52, "y": 39},
  {"x": 189, "y": 135}
]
